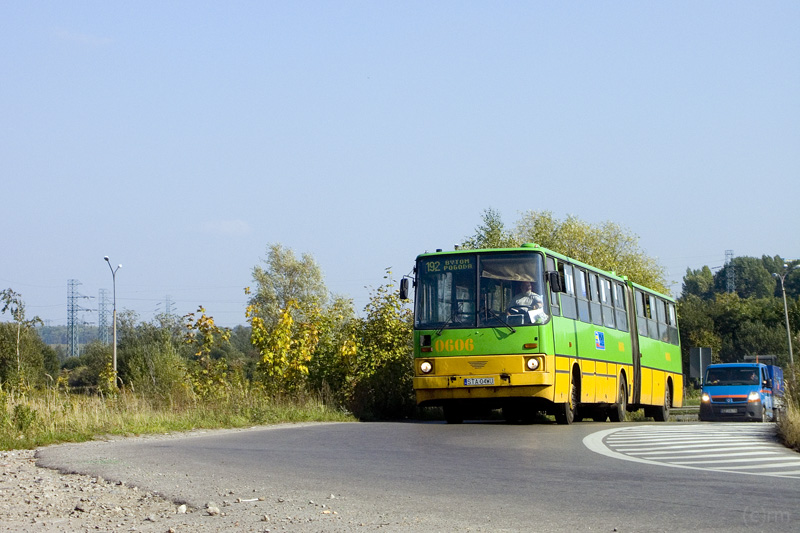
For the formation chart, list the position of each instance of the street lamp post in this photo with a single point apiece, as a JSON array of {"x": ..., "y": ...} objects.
[
  {"x": 114, "y": 320},
  {"x": 782, "y": 277}
]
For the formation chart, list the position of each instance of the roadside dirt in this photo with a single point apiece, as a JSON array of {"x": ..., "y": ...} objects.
[{"x": 45, "y": 500}]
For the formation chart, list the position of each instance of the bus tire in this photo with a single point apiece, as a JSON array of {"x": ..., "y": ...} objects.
[
  {"x": 453, "y": 414},
  {"x": 565, "y": 412},
  {"x": 617, "y": 411},
  {"x": 661, "y": 413}
]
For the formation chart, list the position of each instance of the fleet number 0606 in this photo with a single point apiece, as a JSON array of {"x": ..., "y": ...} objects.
[{"x": 454, "y": 345}]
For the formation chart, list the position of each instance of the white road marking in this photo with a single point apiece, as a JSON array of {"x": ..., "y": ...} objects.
[{"x": 726, "y": 447}]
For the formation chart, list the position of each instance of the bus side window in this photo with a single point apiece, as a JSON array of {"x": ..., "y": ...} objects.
[
  {"x": 661, "y": 314},
  {"x": 620, "y": 306},
  {"x": 606, "y": 301},
  {"x": 554, "y": 305},
  {"x": 583, "y": 296},
  {"x": 568, "y": 297},
  {"x": 652, "y": 322},
  {"x": 594, "y": 296},
  {"x": 641, "y": 313},
  {"x": 673, "y": 324}
]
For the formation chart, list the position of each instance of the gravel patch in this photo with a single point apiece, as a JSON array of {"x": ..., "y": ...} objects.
[
  {"x": 44, "y": 500},
  {"x": 50, "y": 501}
]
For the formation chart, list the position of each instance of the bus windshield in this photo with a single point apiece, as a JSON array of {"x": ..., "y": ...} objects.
[{"x": 480, "y": 290}]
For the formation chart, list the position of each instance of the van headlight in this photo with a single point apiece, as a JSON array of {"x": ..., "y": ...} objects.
[
  {"x": 705, "y": 398},
  {"x": 753, "y": 397}
]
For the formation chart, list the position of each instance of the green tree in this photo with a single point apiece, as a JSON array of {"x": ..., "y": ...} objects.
[
  {"x": 776, "y": 266},
  {"x": 752, "y": 279},
  {"x": 491, "y": 233},
  {"x": 152, "y": 358},
  {"x": 13, "y": 304},
  {"x": 607, "y": 245},
  {"x": 39, "y": 361},
  {"x": 697, "y": 326},
  {"x": 284, "y": 278},
  {"x": 699, "y": 282}
]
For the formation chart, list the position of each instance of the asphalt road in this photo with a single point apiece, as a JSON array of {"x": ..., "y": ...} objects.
[{"x": 430, "y": 476}]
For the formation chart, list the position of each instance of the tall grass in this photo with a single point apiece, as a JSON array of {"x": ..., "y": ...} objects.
[
  {"x": 53, "y": 416},
  {"x": 789, "y": 424}
]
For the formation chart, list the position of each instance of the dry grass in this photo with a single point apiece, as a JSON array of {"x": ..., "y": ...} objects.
[
  {"x": 789, "y": 425},
  {"x": 48, "y": 417}
]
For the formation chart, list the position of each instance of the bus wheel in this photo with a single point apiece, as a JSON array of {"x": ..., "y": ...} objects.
[
  {"x": 661, "y": 413},
  {"x": 453, "y": 414},
  {"x": 617, "y": 411},
  {"x": 565, "y": 412}
]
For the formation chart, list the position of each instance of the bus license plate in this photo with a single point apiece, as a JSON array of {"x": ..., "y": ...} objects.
[
  {"x": 728, "y": 411},
  {"x": 478, "y": 381}
]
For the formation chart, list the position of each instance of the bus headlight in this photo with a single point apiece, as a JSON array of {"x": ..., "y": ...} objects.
[
  {"x": 533, "y": 363},
  {"x": 425, "y": 367},
  {"x": 705, "y": 398}
]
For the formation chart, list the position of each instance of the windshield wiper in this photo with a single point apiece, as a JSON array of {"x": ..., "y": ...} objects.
[
  {"x": 446, "y": 323},
  {"x": 489, "y": 312}
]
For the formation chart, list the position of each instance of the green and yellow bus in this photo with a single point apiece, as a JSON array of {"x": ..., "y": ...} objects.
[{"x": 529, "y": 330}]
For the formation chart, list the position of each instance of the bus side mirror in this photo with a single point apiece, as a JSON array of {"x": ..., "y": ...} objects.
[
  {"x": 404, "y": 289},
  {"x": 555, "y": 280}
]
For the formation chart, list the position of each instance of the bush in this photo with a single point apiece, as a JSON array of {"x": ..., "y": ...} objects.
[
  {"x": 155, "y": 369},
  {"x": 381, "y": 379},
  {"x": 387, "y": 393}
]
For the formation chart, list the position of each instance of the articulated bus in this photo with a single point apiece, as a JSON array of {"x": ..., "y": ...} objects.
[{"x": 528, "y": 330}]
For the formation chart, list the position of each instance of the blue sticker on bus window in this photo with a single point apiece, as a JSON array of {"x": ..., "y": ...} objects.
[{"x": 599, "y": 340}]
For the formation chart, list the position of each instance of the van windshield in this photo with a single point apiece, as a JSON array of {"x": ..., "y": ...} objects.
[{"x": 732, "y": 376}]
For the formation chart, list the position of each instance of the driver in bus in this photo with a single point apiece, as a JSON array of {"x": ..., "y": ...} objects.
[{"x": 527, "y": 302}]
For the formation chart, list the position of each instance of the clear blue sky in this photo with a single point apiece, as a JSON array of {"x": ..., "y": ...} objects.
[{"x": 181, "y": 138}]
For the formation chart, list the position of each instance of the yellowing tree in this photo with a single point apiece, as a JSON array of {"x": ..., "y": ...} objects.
[
  {"x": 210, "y": 377},
  {"x": 607, "y": 245},
  {"x": 286, "y": 349}
]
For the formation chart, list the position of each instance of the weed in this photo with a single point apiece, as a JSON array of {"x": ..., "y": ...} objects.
[
  {"x": 23, "y": 417},
  {"x": 51, "y": 416}
]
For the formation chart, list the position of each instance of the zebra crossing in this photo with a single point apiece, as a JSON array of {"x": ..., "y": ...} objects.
[{"x": 725, "y": 447}]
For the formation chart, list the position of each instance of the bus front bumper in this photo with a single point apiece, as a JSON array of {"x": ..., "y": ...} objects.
[{"x": 529, "y": 384}]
